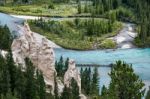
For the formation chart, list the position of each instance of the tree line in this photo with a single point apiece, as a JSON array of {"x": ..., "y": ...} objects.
[
  {"x": 86, "y": 27},
  {"x": 19, "y": 83}
]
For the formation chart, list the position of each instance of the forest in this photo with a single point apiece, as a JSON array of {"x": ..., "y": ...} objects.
[
  {"x": 78, "y": 33},
  {"x": 89, "y": 25},
  {"x": 28, "y": 83}
]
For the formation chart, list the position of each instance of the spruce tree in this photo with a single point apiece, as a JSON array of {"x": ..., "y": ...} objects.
[
  {"x": 20, "y": 82},
  {"x": 66, "y": 93},
  {"x": 125, "y": 84},
  {"x": 12, "y": 71},
  {"x": 95, "y": 82},
  {"x": 30, "y": 88},
  {"x": 56, "y": 87},
  {"x": 74, "y": 89},
  {"x": 4, "y": 76},
  {"x": 40, "y": 85}
]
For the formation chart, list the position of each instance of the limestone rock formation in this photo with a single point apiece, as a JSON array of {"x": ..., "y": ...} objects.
[
  {"x": 38, "y": 50},
  {"x": 73, "y": 72}
]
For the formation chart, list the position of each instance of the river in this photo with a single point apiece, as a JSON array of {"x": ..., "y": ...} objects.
[{"x": 139, "y": 58}]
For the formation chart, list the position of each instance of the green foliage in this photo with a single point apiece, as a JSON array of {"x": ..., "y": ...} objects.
[
  {"x": 86, "y": 80},
  {"x": 61, "y": 66},
  {"x": 71, "y": 92},
  {"x": 56, "y": 94},
  {"x": 8, "y": 95},
  {"x": 95, "y": 82},
  {"x": 18, "y": 83},
  {"x": 41, "y": 87},
  {"x": 90, "y": 82},
  {"x": 74, "y": 89},
  {"x": 77, "y": 33},
  {"x": 125, "y": 84},
  {"x": 5, "y": 37},
  {"x": 66, "y": 93},
  {"x": 108, "y": 43},
  {"x": 4, "y": 76},
  {"x": 30, "y": 81},
  {"x": 12, "y": 71}
]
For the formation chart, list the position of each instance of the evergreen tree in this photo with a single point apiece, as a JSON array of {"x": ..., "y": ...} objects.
[
  {"x": 65, "y": 93},
  {"x": 56, "y": 88},
  {"x": 30, "y": 88},
  {"x": 41, "y": 85},
  {"x": 20, "y": 83},
  {"x": 95, "y": 82},
  {"x": 5, "y": 37},
  {"x": 12, "y": 71},
  {"x": 4, "y": 76},
  {"x": 104, "y": 93},
  {"x": 125, "y": 84},
  {"x": 8, "y": 95},
  {"x": 74, "y": 89}
]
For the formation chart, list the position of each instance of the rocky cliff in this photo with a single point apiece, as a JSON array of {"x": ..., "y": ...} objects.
[
  {"x": 72, "y": 72},
  {"x": 40, "y": 51}
]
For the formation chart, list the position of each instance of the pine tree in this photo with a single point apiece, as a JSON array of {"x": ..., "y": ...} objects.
[
  {"x": 74, "y": 89},
  {"x": 4, "y": 76},
  {"x": 5, "y": 37},
  {"x": 30, "y": 88},
  {"x": 56, "y": 88},
  {"x": 20, "y": 82},
  {"x": 104, "y": 93},
  {"x": 66, "y": 65},
  {"x": 65, "y": 93},
  {"x": 41, "y": 85},
  {"x": 95, "y": 82},
  {"x": 12, "y": 71},
  {"x": 125, "y": 84}
]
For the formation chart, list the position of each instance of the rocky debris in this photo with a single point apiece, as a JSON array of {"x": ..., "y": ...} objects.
[
  {"x": 73, "y": 72},
  {"x": 39, "y": 51}
]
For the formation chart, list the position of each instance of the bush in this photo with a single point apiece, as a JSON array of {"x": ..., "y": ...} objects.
[
  {"x": 51, "y": 6},
  {"x": 108, "y": 44}
]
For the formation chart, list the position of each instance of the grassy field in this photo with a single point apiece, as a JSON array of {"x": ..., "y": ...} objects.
[
  {"x": 74, "y": 39},
  {"x": 41, "y": 10}
]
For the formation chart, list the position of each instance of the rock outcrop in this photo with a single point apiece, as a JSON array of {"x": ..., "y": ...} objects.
[
  {"x": 38, "y": 50},
  {"x": 73, "y": 72}
]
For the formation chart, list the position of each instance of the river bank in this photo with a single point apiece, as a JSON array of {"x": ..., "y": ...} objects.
[
  {"x": 139, "y": 58},
  {"x": 123, "y": 39}
]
